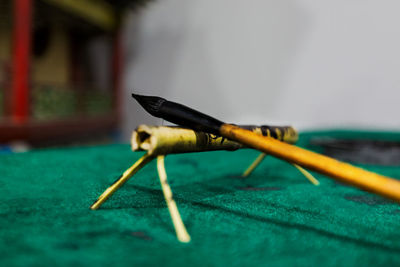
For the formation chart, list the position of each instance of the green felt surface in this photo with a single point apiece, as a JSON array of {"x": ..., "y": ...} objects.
[{"x": 274, "y": 218}]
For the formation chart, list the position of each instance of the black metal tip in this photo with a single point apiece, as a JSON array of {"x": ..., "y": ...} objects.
[
  {"x": 151, "y": 104},
  {"x": 178, "y": 113}
]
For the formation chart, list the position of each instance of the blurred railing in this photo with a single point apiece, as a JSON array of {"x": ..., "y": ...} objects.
[
  {"x": 2, "y": 89},
  {"x": 4, "y": 84},
  {"x": 58, "y": 101},
  {"x": 54, "y": 101},
  {"x": 59, "y": 113}
]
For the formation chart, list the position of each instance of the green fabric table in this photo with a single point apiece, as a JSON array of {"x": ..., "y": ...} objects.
[{"x": 273, "y": 218}]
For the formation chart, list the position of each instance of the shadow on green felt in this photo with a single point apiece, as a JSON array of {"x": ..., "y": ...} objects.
[
  {"x": 284, "y": 224},
  {"x": 198, "y": 194}
]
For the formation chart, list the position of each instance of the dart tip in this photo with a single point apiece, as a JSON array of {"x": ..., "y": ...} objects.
[
  {"x": 139, "y": 98},
  {"x": 151, "y": 104},
  {"x": 136, "y": 96}
]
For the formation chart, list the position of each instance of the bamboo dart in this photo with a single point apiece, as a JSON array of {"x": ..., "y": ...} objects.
[
  {"x": 166, "y": 140},
  {"x": 163, "y": 140},
  {"x": 158, "y": 141},
  {"x": 187, "y": 117}
]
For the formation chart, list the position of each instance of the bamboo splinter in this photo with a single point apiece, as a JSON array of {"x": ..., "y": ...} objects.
[
  {"x": 180, "y": 228},
  {"x": 261, "y": 157},
  {"x": 121, "y": 180},
  {"x": 185, "y": 116},
  {"x": 307, "y": 175},
  {"x": 253, "y": 165}
]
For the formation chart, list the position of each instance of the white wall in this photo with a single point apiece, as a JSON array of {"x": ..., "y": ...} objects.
[{"x": 308, "y": 63}]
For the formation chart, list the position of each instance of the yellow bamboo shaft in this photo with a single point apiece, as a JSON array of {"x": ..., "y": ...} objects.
[
  {"x": 124, "y": 177},
  {"x": 341, "y": 171}
]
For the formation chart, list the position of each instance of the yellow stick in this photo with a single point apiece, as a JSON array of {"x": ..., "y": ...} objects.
[
  {"x": 124, "y": 177},
  {"x": 341, "y": 171},
  {"x": 253, "y": 165},
  {"x": 260, "y": 157},
  {"x": 180, "y": 228},
  {"x": 307, "y": 175}
]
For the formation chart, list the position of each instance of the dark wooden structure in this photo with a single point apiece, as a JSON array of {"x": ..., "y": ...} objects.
[{"x": 78, "y": 22}]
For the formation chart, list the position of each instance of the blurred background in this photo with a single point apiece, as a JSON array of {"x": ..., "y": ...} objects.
[{"x": 68, "y": 67}]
